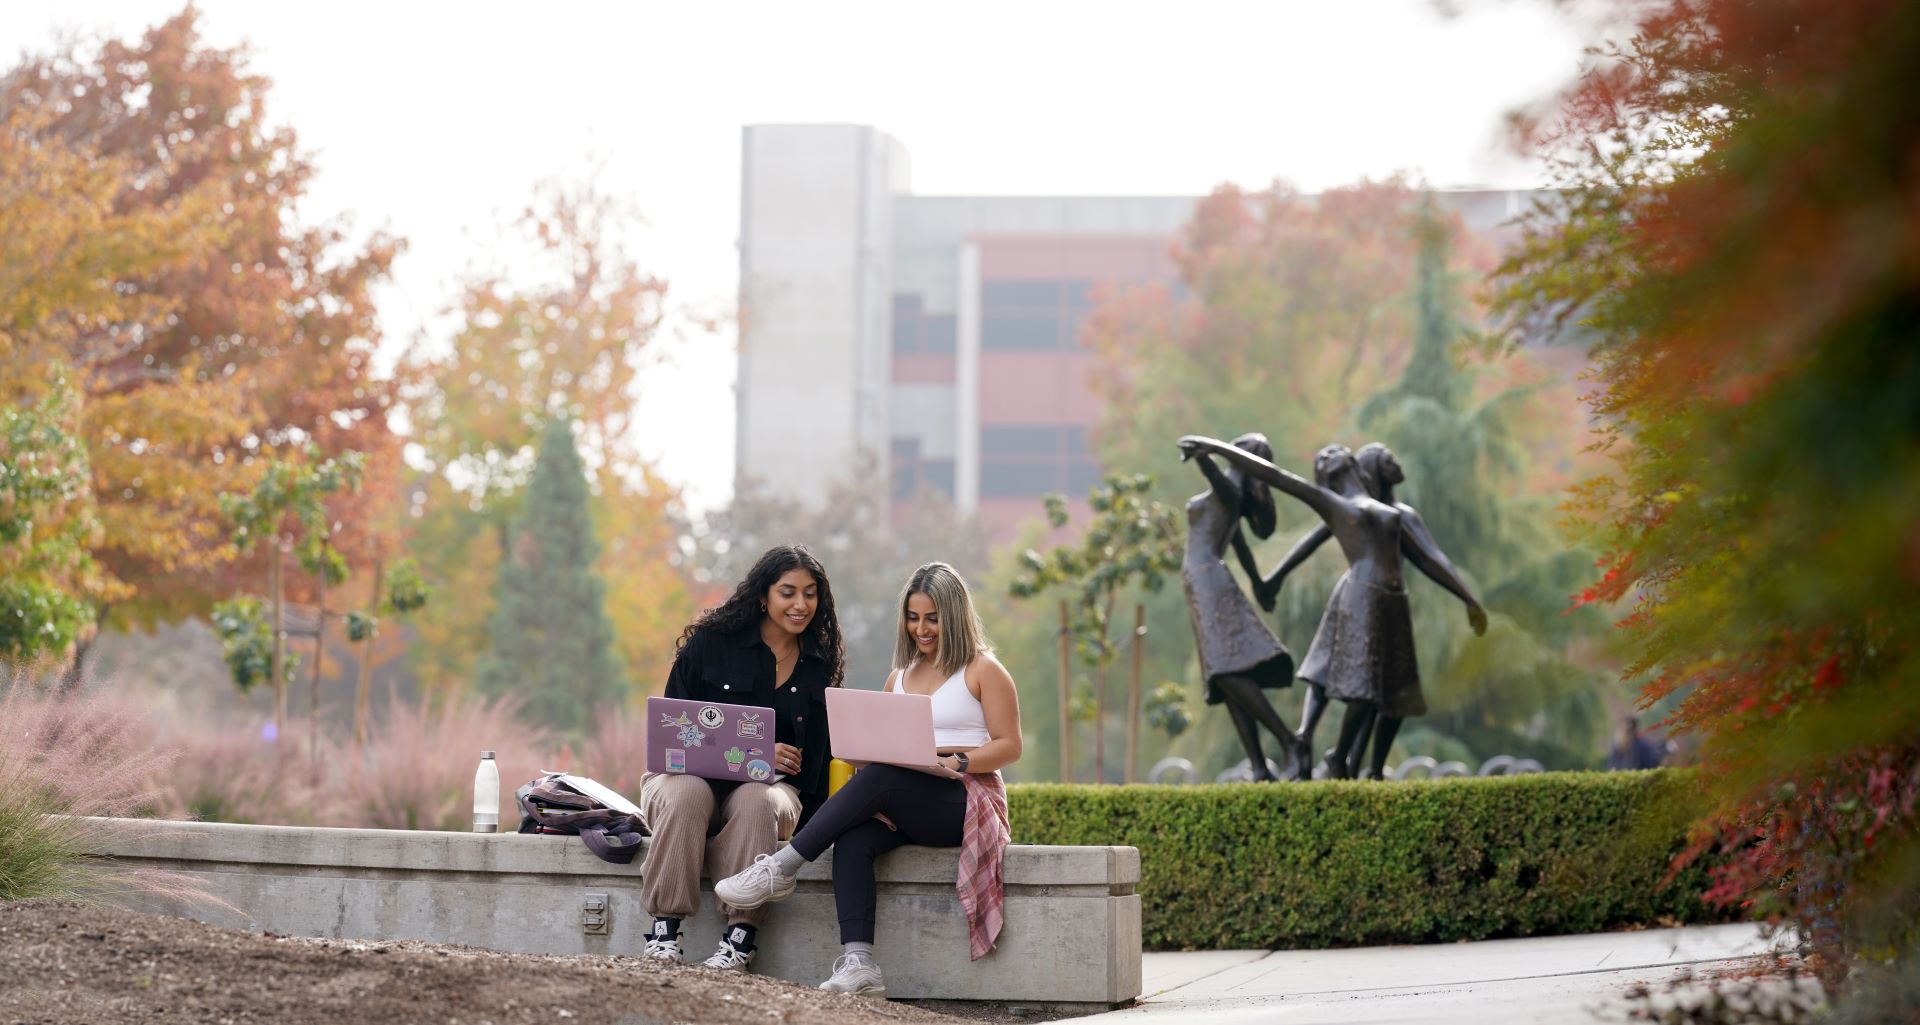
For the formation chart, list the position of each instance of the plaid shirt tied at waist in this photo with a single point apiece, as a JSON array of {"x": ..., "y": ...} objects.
[{"x": 983, "y": 845}]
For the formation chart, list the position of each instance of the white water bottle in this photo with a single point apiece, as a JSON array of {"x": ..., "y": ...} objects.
[{"x": 486, "y": 795}]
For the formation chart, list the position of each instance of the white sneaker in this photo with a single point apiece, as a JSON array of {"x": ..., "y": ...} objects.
[
  {"x": 856, "y": 974},
  {"x": 665, "y": 950},
  {"x": 729, "y": 958},
  {"x": 755, "y": 885}
]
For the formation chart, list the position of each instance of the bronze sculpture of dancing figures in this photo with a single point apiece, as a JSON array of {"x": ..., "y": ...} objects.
[
  {"x": 1363, "y": 652},
  {"x": 1239, "y": 656}
]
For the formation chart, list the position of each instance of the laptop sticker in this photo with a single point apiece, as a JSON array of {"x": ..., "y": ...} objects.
[
  {"x": 758, "y": 770},
  {"x": 676, "y": 760},
  {"x": 712, "y": 718},
  {"x": 687, "y": 733},
  {"x": 748, "y": 726},
  {"x": 735, "y": 757}
]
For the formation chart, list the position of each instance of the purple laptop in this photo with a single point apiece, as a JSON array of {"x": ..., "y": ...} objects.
[{"x": 733, "y": 743}]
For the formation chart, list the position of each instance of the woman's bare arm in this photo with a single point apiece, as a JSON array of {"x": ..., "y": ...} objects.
[{"x": 1001, "y": 703}]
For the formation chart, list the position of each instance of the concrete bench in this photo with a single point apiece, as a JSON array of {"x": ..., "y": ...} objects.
[{"x": 1072, "y": 934}]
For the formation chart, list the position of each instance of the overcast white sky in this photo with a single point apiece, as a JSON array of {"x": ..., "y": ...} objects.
[{"x": 434, "y": 120}]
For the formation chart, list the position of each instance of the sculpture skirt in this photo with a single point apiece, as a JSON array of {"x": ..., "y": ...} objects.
[
  {"x": 1232, "y": 639},
  {"x": 1363, "y": 650}
]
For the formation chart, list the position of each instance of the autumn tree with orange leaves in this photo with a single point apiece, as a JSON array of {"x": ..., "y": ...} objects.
[
  {"x": 1737, "y": 234},
  {"x": 63, "y": 245},
  {"x": 231, "y": 332},
  {"x": 567, "y": 339}
]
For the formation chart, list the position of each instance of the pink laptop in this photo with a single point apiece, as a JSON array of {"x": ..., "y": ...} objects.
[
  {"x": 889, "y": 728},
  {"x": 732, "y": 743}
]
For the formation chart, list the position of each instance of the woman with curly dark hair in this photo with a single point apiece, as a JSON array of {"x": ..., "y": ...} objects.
[{"x": 775, "y": 642}]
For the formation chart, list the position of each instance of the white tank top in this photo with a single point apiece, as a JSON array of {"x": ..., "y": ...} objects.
[{"x": 959, "y": 722}]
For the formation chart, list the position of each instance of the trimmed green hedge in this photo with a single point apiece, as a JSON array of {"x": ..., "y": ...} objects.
[{"x": 1339, "y": 863}]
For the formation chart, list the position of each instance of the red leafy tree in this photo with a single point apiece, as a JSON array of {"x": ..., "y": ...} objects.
[{"x": 1738, "y": 235}]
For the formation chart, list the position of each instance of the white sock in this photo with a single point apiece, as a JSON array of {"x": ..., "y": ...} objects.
[
  {"x": 863, "y": 949},
  {"x": 787, "y": 861}
]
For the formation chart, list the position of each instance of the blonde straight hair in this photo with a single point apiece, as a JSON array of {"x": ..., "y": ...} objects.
[{"x": 962, "y": 637}]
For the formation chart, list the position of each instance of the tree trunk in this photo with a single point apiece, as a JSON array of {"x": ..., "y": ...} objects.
[
  {"x": 1100, "y": 722},
  {"x": 313, "y": 684},
  {"x": 75, "y": 673},
  {"x": 278, "y": 668},
  {"x": 1066, "y": 696},
  {"x": 365, "y": 686},
  {"x": 1100, "y": 694},
  {"x": 1133, "y": 694}
]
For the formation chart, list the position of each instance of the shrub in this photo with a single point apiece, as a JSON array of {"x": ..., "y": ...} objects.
[
  {"x": 228, "y": 771},
  {"x": 1343, "y": 863},
  {"x": 417, "y": 770},
  {"x": 78, "y": 756}
]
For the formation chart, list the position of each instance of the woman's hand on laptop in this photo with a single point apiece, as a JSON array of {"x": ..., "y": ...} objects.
[{"x": 786, "y": 759}]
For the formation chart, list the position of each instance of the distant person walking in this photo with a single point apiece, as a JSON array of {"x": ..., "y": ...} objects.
[{"x": 1633, "y": 749}]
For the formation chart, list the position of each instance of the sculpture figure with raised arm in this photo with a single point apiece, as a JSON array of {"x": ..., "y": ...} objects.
[{"x": 1239, "y": 656}]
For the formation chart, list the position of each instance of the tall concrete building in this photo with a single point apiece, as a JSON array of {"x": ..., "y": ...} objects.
[{"x": 939, "y": 335}]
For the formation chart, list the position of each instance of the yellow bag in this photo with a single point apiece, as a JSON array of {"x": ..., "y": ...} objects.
[{"x": 838, "y": 772}]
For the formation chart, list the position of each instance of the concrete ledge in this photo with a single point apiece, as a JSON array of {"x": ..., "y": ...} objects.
[{"x": 1072, "y": 932}]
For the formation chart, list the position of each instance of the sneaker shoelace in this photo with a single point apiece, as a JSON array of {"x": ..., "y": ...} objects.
[{"x": 847, "y": 962}]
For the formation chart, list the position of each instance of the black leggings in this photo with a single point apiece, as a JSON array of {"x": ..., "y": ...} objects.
[{"x": 931, "y": 811}]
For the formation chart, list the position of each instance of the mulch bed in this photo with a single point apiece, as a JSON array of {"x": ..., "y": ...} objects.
[{"x": 69, "y": 964}]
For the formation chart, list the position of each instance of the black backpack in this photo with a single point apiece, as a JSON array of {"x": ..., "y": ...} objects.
[{"x": 552, "y": 805}]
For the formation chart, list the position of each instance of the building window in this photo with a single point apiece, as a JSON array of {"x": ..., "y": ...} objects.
[
  {"x": 1020, "y": 295},
  {"x": 1028, "y": 461},
  {"x": 1020, "y": 441},
  {"x": 1023, "y": 331},
  {"x": 938, "y": 333},
  {"x": 913, "y": 474},
  {"x": 917, "y": 332},
  {"x": 1021, "y": 314},
  {"x": 937, "y": 475}
]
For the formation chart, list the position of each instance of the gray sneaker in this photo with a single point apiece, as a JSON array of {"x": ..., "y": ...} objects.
[
  {"x": 755, "y": 885},
  {"x": 856, "y": 974}
]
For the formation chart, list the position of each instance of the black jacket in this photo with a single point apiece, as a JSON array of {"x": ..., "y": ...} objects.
[{"x": 737, "y": 669}]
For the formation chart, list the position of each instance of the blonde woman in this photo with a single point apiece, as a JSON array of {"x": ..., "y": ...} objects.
[{"x": 940, "y": 650}]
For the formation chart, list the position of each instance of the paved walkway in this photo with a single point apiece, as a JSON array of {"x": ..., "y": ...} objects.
[{"x": 1555, "y": 979}]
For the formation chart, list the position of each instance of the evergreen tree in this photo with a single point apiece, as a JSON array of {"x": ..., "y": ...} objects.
[
  {"x": 1514, "y": 691},
  {"x": 1459, "y": 458},
  {"x": 552, "y": 644}
]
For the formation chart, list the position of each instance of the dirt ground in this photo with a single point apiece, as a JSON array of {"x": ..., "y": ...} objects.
[{"x": 65, "y": 964}]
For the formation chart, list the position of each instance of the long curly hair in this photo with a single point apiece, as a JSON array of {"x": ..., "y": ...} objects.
[{"x": 742, "y": 608}]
